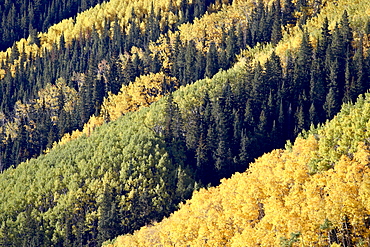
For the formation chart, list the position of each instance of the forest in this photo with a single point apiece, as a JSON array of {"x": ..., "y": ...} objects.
[
  {"x": 308, "y": 194},
  {"x": 109, "y": 124}
]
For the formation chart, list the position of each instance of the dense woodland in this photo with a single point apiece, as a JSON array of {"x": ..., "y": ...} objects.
[
  {"x": 310, "y": 194},
  {"x": 124, "y": 120},
  {"x": 78, "y": 76},
  {"x": 19, "y": 19}
]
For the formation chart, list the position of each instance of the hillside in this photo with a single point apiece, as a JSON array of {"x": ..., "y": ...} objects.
[
  {"x": 91, "y": 56},
  {"x": 20, "y": 19},
  {"x": 135, "y": 120},
  {"x": 311, "y": 193}
]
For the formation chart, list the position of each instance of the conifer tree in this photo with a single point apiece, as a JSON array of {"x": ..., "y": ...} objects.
[
  {"x": 231, "y": 46},
  {"x": 14, "y": 53},
  {"x": 300, "y": 120},
  {"x": 249, "y": 121},
  {"x": 245, "y": 151},
  {"x": 325, "y": 40},
  {"x": 5, "y": 238},
  {"x": 108, "y": 225},
  {"x": 190, "y": 61},
  {"x": 276, "y": 33},
  {"x": 273, "y": 73},
  {"x": 301, "y": 73},
  {"x": 346, "y": 31},
  {"x": 259, "y": 89},
  {"x": 331, "y": 105},
  {"x": 317, "y": 86},
  {"x": 288, "y": 12},
  {"x": 359, "y": 71},
  {"x": 211, "y": 61}
]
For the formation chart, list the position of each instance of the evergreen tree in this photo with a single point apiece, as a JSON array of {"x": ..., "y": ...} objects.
[
  {"x": 114, "y": 81},
  {"x": 245, "y": 151},
  {"x": 300, "y": 120},
  {"x": 231, "y": 46},
  {"x": 317, "y": 85},
  {"x": 276, "y": 33},
  {"x": 173, "y": 132},
  {"x": 331, "y": 105},
  {"x": 262, "y": 123},
  {"x": 190, "y": 61},
  {"x": 273, "y": 75},
  {"x": 98, "y": 94},
  {"x": 301, "y": 73},
  {"x": 155, "y": 64},
  {"x": 337, "y": 57},
  {"x": 346, "y": 31},
  {"x": 68, "y": 236},
  {"x": 281, "y": 128},
  {"x": 259, "y": 88},
  {"x": 224, "y": 129},
  {"x": 14, "y": 53},
  {"x": 211, "y": 61},
  {"x": 249, "y": 122},
  {"x": 360, "y": 73},
  {"x": 109, "y": 224},
  {"x": 288, "y": 12},
  {"x": 314, "y": 118},
  {"x": 325, "y": 40},
  {"x": 5, "y": 238},
  {"x": 200, "y": 65},
  {"x": 200, "y": 8}
]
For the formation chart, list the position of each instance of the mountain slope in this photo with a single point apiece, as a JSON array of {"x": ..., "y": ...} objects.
[
  {"x": 135, "y": 170},
  {"x": 279, "y": 200},
  {"x": 91, "y": 57}
]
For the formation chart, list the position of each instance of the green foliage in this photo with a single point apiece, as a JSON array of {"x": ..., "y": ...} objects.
[
  {"x": 134, "y": 171},
  {"x": 284, "y": 242},
  {"x": 122, "y": 173}
]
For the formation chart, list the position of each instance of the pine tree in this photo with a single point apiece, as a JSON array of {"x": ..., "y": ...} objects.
[
  {"x": 68, "y": 235},
  {"x": 200, "y": 8},
  {"x": 331, "y": 105},
  {"x": 259, "y": 89},
  {"x": 346, "y": 31},
  {"x": 317, "y": 85},
  {"x": 190, "y": 61},
  {"x": 325, "y": 40},
  {"x": 114, "y": 81},
  {"x": 300, "y": 120},
  {"x": 359, "y": 71},
  {"x": 155, "y": 64},
  {"x": 249, "y": 122},
  {"x": 224, "y": 129},
  {"x": 276, "y": 33},
  {"x": 200, "y": 65},
  {"x": 231, "y": 46},
  {"x": 273, "y": 75},
  {"x": 5, "y": 237},
  {"x": 281, "y": 128},
  {"x": 262, "y": 123},
  {"x": 108, "y": 225},
  {"x": 211, "y": 61},
  {"x": 14, "y": 53},
  {"x": 314, "y": 119},
  {"x": 245, "y": 151},
  {"x": 301, "y": 73},
  {"x": 288, "y": 12},
  {"x": 173, "y": 132}
]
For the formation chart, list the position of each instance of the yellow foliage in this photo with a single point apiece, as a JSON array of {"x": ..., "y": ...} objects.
[
  {"x": 83, "y": 23},
  {"x": 141, "y": 93},
  {"x": 277, "y": 196}
]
